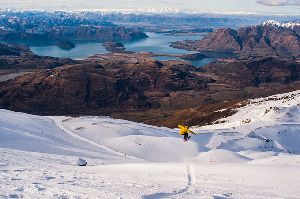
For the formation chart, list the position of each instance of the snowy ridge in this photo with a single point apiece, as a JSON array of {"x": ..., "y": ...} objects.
[
  {"x": 254, "y": 153},
  {"x": 137, "y": 11},
  {"x": 280, "y": 25},
  {"x": 268, "y": 124},
  {"x": 165, "y": 10},
  {"x": 274, "y": 108}
]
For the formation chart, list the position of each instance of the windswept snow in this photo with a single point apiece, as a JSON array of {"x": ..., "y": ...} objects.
[{"x": 252, "y": 154}]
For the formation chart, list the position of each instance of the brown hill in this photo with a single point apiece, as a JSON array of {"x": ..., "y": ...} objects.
[
  {"x": 91, "y": 88},
  {"x": 15, "y": 57},
  {"x": 139, "y": 88},
  {"x": 201, "y": 115},
  {"x": 247, "y": 79},
  {"x": 262, "y": 40},
  {"x": 255, "y": 73}
]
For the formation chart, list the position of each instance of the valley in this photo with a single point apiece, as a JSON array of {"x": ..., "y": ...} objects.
[{"x": 139, "y": 88}]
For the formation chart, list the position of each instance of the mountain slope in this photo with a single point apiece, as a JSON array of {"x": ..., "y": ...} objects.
[
  {"x": 97, "y": 88},
  {"x": 14, "y": 57},
  {"x": 261, "y": 40},
  {"x": 44, "y": 26},
  {"x": 132, "y": 160},
  {"x": 142, "y": 84},
  {"x": 84, "y": 32}
]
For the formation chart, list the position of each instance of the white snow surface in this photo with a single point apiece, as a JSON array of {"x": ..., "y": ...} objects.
[
  {"x": 280, "y": 24},
  {"x": 254, "y": 153}
]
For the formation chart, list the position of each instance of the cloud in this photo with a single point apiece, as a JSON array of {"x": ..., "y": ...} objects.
[{"x": 279, "y": 2}]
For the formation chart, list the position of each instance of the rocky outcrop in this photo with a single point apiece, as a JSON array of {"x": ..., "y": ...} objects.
[
  {"x": 65, "y": 44},
  {"x": 256, "y": 41}
]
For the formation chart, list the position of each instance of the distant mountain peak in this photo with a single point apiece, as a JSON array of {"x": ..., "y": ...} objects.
[
  {"x": 165, "y": 10},
  {"x": 280, "y": 24},
  {"x": 270, "y": 39}
]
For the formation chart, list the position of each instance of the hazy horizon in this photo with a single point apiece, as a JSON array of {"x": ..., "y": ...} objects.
[{"x": 252, "y": 6}]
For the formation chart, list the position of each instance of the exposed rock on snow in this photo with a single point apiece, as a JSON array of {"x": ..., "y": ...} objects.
[{"x": 81, "y": 162}]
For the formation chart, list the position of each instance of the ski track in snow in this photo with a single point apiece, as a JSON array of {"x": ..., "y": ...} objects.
[
  {"x": 191, "y": 175},
  {"x": 59, "y": 124}
]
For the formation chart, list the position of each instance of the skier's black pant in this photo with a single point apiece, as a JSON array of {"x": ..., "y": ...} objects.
[{"x": 186, "y": 136}]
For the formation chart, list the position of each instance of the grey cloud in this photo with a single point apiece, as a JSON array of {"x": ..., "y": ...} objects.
[{"x": 279, "y": 2}]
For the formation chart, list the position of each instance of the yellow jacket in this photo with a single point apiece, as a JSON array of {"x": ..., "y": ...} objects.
[{"x": 184, "y": 129}]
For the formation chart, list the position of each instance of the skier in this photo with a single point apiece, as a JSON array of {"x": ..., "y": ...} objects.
[{"x": 184, "y": 131}]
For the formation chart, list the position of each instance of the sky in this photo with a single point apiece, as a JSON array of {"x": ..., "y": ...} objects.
[{"x": 258, "y": 6}]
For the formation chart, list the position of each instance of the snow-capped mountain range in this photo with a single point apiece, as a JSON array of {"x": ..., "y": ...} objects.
[
  {"x": 37, "y": 26},
  {"x": 27, "y": 19},
  {"x": 252, "y": 154},
  {"x": 137, "y": 11}
]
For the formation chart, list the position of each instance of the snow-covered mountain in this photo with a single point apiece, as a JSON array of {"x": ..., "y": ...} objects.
[
  {"x": 280, "y": 24},
  {"x": 254, "y": 153},
  {"x": 137, "y": 11},
  {"x": 60, "y": 25},
  {"x": 30, "y": 20}
]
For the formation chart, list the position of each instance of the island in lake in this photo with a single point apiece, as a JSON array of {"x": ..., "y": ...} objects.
[{"x": 65, "y": 44}]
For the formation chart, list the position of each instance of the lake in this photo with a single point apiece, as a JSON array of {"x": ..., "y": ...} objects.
[{"x": 156, "y": 43}]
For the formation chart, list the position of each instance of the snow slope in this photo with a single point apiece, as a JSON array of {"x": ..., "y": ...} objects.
[{"x": 252, "y": 154}]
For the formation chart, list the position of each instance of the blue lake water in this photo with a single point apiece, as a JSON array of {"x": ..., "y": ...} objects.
[
  {"x": 159, "y": 43},
  {"x": 196, "y": 63},
  {"x": 156, "y": 43}
]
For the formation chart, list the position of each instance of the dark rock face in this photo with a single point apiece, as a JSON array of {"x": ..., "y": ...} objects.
[
  {"x": 83, "y": 32},
  {"x": 91, "y": 88},
  {"x": 261, "y": 40},
  {"x": 96, "y": 32},
  {"x": 65, "y": 44}
]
